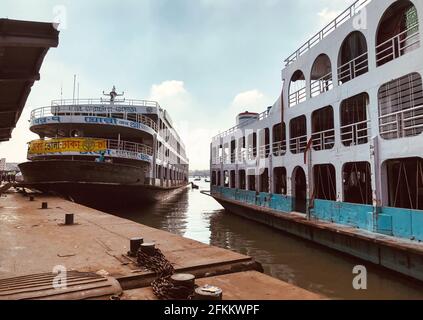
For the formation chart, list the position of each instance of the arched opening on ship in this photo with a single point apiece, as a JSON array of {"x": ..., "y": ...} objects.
[
  {"x": 357, "y": 183},
  {"x": 251, "y": 181},
  {"x": 233, "y": 151},
  {"x": 354, "y": 123},
  {"x": 264, "y": 143},
  {"x": 219, "y": 178},
  {"x": 242, "y": 180},
  {"x": 214, "y": 180},
  {"x": 324, "y": 182},
  {"x": 401, "y": 107},
  {"x": 405, "y": 183},
  {"x": 298, "y": 134},
  {"x": 279, "y": 140},
  {"x": 241, "y": 150},
  {"x": 353, "y": 58},
  {"x": 252, "y": 146},
  {"x": 321, "y": 79},
  {"x": 279, "y": 180},
  {"x": 226, "y": 179},
  {"x": 323, "y": 127},
  {"x": 299, "y": 186},
  {"x": 398, "y": 32},
  {"x": 264, "y": 181},
  {"x": 297, "y": 88},
  {"x": 232, "y": 179}
]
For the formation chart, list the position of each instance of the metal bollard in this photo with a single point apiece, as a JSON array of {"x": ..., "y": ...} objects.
[
  {"x": 183, "y": 280},
  {"x": 135, "y": 244},
  {"x": 44, "y": 205},
  {"x": 148, "y": 248},
  {"x": 69, "y": 219},
  {"x": 208, "y": 293},
  {"x": 31, "y": 198}
]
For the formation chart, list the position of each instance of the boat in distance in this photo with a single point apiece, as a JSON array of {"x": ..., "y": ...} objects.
[{"x": 112, "y": 151}]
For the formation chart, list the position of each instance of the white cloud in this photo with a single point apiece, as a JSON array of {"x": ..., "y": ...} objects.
[
  {"x": 171, "y": 95},
  {"x": 252, "y": 101},
  {"x": 327, "y": 15}
]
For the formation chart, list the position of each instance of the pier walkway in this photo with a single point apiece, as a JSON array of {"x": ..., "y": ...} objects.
[{"x": 35, "y": 241}]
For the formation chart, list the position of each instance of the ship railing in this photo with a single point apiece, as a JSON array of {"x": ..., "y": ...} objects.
[
  {"x": 251, "y": 154},
  {"x": 322, "y": 85},
  {"x": 134, "y": 147},
  {"x": 279, "y": 148},
  {"x": 103, "y": 102},
  {"x": 233, "y": 130},
  {"x": 323, "y": 140},
  {"x": 56, "y": 111},
  {"x": 242, "y": 155},
  {"x": 265, "y": 151},
  {"x": 297, "y": 97},
  {"x": 354, "y": 68},
  {"x": 404, "y": 123},
  {"x": 298, "y": 144},
  {"x": 356, "y": 133},
  {"x": 398, "y": 45},
  {"x": 332, "y": 26}
]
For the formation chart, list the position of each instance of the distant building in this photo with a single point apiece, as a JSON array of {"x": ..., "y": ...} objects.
[{"x": 2, "y": 164}]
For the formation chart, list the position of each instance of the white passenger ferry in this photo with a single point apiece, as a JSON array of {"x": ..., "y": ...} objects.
[
  {"x": 343, "y": 143},
  {"x": 106, "y": 150}
]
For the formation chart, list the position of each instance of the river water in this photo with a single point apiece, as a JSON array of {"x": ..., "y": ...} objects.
[{"x": 194, "y": 215}]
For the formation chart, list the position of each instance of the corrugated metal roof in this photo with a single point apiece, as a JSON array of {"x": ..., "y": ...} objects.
[{"x": 23, "y": 46}]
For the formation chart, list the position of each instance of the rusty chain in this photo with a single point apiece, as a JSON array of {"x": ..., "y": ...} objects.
[{"x": 163, "y": 287}]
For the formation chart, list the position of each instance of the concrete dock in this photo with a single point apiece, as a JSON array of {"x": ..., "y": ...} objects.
[{"x": 34, "y": 241}]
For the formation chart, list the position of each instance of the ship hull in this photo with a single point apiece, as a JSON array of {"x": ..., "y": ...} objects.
[{"x": 95, "y": 184}]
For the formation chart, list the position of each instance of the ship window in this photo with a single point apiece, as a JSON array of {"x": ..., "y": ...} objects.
[
  {"x": 405, "y": 183},
  {"x": 233, "y": 181},
  {"x": 298, "y": 133},
  {"x": 242, "y": 180},
  {"x": 264, "y": 143},
  {"x": 226, "y": 179},
  {"x": 353, "y": 57},
  {"x": 398, "y": 32},
  {"x": 324, "y": 182},
  {"x": 401, "y": 107},
  {"x": 297, "y": 89},
  {"x": 354, "y": 123},
  {"x": 252, "y": 182},
  {"x": 323, "y": 129},
  {"x": 233, "y": 151},
  {"x": 279, "y": 140},
  {"x": 357, "y": 183},
  {"x": 321, "y": 76},
  {"x": 279, "y": 179},
  {"x": 264, "y": 181}
]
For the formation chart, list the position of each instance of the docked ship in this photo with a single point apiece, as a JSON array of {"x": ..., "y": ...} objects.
[
  {"x": 338, "y": 158},
  {"x": 108, "y": 150}
]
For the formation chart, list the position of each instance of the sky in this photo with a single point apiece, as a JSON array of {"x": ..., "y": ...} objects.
[{"x": 204, "y": 61}]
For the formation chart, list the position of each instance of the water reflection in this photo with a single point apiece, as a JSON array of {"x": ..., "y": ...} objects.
[{"x": 196, "y": 216}]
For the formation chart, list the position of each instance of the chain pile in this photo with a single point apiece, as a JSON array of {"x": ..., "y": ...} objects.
[{"x": 163, "y": 287}]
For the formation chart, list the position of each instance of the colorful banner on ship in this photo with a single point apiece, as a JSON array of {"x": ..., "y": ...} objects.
[{"x": 80, "y": 145}]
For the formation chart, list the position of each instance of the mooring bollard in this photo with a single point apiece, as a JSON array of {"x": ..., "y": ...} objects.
[
  {"x": 208, "y": 293},
  {"x": 69, "y": 219},
  {"x": 44, "y": 205},
  {"x": 31, "y": 198},
  {"x": 135, "y": 244},
  {"x": 148, "y": 248},
  {"x": 183, "y": 280}
]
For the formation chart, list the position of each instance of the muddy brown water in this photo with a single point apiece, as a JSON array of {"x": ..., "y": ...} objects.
[{"x": 299, "y": 262}]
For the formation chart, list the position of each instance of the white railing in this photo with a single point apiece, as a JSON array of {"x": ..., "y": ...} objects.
[
  {"x": 106, "y": 102},
  {"x": 404, "y": 123},
  {"x": 298, "y": 144},
  {"x": 68, "y": 111},
  {"x": 356, "y": 133},
  {"x": 322, "y": 85},
  {"x": 264, "y": 151},
  {"x": 353, "y": 68},
  {"x": 342, "y": 18},
  {"x": 398, "y": 45},
  {"x": 120, "y": 145},
  {"x": 323, "y": 140},
  {"x": 279, "y": 148},
  {"x": 262, "y": 116},
  {"x": 297, "y": 97}
]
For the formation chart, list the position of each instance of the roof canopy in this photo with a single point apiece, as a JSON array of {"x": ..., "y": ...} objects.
[{"x": 23, "y": 46}]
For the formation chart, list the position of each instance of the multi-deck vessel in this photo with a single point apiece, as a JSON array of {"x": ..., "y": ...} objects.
[
  {"x": 342, "y": 147},
  {"x": 106, "y": 151}
]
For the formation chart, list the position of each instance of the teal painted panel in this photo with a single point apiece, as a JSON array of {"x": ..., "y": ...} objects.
[
  {"x": 357, "y": 215},
  {"x": 326, "y": 211},
  {"x": 281, "y": 203},
  {"x": 417, "y": 224},
  {"x": 384, "y": 224},
  {"x": 401, "y": 221}
]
